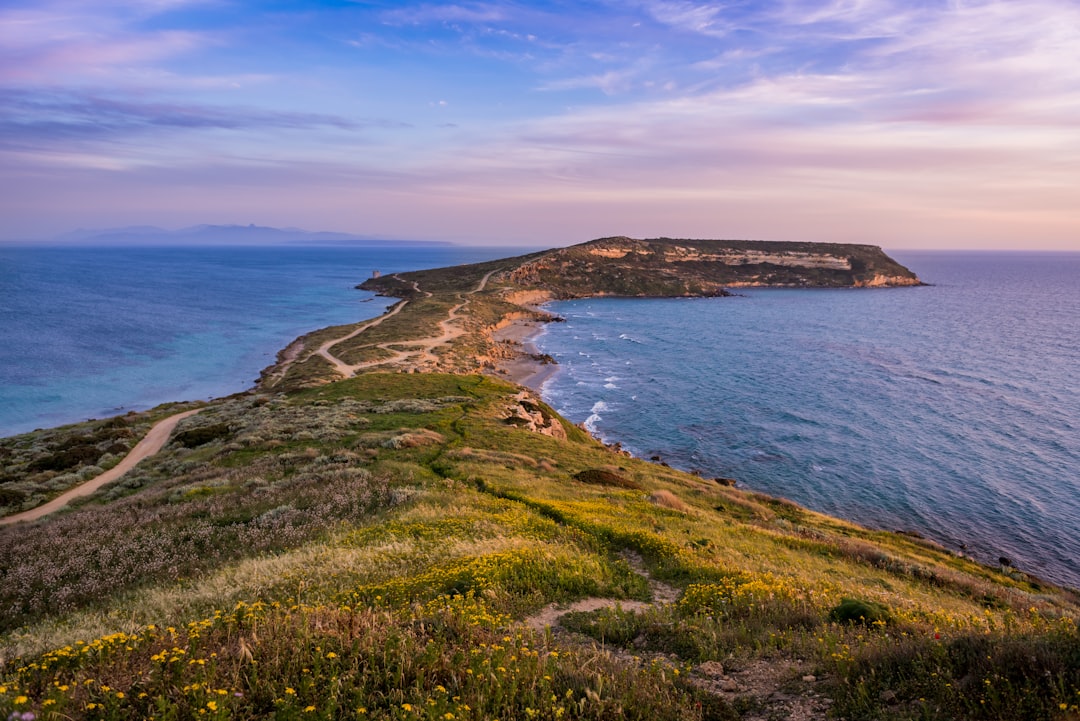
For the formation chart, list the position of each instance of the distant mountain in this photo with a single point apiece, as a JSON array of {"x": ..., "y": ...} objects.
[{"x": 224, "y": 235}]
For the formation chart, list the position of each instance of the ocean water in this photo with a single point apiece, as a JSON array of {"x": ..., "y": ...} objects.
[
  {"x": 92, "y": 332},
  {"x": 951, "y": 410}
]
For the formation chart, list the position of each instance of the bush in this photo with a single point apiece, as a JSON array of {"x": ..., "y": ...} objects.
[
  {"x": 65, "y": 459},
  {"x": 853, "y": 610},
  {"x": 201, "y": 436},
  {"x": 11, "y": 497},
  {"x": 604, "y": 477}
]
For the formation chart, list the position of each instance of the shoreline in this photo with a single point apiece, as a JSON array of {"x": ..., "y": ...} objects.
[
  {"x": 517, "y": 358},
  {"x": 523, "y": 368}
]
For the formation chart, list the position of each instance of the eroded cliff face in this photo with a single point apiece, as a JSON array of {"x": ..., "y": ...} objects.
[
  {"x": 883, "y": 281},
  {"x": 733, "y": 257},
  {"x": 526, "y": 297}
]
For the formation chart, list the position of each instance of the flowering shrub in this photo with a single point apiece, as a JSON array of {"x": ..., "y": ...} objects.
[
  {"x": 452, "y": 658},
  {"x": 85, "y": 556}
]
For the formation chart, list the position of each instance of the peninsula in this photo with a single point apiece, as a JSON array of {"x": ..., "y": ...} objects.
[
  {"x": 471, "y": 303},
  {"x": 387, "y": 528}
]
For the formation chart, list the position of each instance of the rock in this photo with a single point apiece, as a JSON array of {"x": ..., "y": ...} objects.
[
  {"x": 724, "y": 481},
  {"x": 711, "y": 668},
  {"x": 809, "y": 678},
  {"x": 528, "y": 415},
  {"x": 729, "y": 685},
  {"x": 889, "y": 697}
]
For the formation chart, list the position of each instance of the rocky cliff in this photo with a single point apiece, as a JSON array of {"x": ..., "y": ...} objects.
[{"x": 666, "y": 267}]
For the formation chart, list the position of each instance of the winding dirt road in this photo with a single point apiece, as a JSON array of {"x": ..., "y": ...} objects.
[
  {"x": 151, "y": 443},
  {"x": 344, "y": 368},
  {"x": 421, "y": 347}
]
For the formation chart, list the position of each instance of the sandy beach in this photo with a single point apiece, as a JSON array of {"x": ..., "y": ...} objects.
[{"x": 524, "y": 369}]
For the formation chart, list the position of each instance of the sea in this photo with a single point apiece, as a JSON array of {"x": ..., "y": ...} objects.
[
  {"x": 950, "y": 410},
  {"x": 91, "y": 332}
]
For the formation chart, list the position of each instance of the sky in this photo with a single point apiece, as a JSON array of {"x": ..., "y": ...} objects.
[{"x": 916, "y": 124}]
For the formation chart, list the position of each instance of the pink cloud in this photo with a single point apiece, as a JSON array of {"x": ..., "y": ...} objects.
[{"x": 61, "y": 43}]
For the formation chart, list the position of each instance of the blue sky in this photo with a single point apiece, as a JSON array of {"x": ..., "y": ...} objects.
[{"x": 917, "y": 124}]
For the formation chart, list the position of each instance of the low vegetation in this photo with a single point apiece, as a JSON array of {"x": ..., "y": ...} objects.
[
  {"x": 388, "y": 546},
  {"x": 37, "y": 466},
  {"x": 306, "y": 564}
]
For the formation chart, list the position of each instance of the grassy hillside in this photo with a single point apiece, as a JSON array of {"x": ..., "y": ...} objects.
[{"x": 442, "y": 545}]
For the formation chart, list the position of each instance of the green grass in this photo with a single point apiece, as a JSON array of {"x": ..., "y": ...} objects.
[
  {"x": 479, "y": 524},
  {"x": 372, "y": 548}
]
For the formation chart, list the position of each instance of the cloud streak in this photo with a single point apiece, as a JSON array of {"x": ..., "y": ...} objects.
[
  {"x": 961, "y": 114},
  {"x": 46, "y": 118}
]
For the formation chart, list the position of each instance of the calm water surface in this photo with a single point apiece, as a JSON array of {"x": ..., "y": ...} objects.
[
  {"x": 90, "y": 332},
  {"x": 951, "y": 410}
]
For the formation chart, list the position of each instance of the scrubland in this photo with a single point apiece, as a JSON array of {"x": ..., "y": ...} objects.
[
  {"x": 398, "y": 545},
  {"x": 374, "y": 548}
]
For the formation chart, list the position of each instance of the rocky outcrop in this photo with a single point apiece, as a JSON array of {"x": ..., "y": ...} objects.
[
  {"x": 527, "y": 412},
  {"x": 887, "y": 281},
  {"x": 527, "y": 297}
]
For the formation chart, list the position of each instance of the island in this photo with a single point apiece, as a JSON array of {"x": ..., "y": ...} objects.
[{"x": 388, "y": 527}]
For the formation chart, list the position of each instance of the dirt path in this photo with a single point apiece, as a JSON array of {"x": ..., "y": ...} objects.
[
  {"x": 772, "y": 689},
  {"x": 420, "y": 349},
  {"x": 151, "y": 443},
  {"x": 344, "y": 368},
  {"x": 661, "y": 592}
]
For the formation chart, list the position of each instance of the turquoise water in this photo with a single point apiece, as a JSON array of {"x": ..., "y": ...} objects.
[
  {"x": 92, "y": 332},
  {"x": 951, "y": 410}
]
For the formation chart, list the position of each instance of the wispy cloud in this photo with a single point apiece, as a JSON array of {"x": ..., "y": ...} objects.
[
  {"x": 709, "y": 19},
  {"x": 51, "y": 119},
  {"x": 68, "y": 43},
  {"x": 438, "y": 13},
  {"x": 610, "y": 82},
  {"x": 954, "y": 110}
]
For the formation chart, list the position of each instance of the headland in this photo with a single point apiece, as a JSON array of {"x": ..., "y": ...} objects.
[
  {"x": 487, "y": 304},
  {"x": 385, "y": 528}
]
